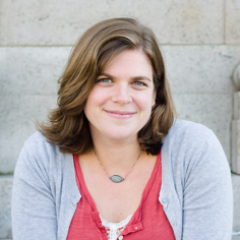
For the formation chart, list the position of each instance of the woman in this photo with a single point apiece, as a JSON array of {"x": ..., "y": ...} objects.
[{"x": 113, "y": 163}]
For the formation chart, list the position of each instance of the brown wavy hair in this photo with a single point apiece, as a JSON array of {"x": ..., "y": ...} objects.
[{"x": 68, "y": 126}]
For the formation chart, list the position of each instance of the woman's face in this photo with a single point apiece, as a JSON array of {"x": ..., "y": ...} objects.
[{"x": 121, "y": 101}]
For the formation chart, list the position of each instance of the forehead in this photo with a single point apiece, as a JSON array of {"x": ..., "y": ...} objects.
[{"x": 135, "y": 62}]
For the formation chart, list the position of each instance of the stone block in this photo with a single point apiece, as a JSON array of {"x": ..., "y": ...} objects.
[
  {"x": 31, "y": 70},
  {"x": 236, "y": 106},
  {"x": 201, "y": 69},
  {"x": 236, "y": 77},
  {"x": 35, "y": 70},
  {"x": 5, "y": 206},
  {"x": 236, "y": 134},
  {"x": 182, "y": 22},
  {"x": 236, "y": 146},
  {"x": 212, "y": 110},
  {"x": 17, "y": 121},
  {"x": 236, "y": 237},
  {"x": 43, "y": 22},
  {"x": 232, "y": 21},
  {"x": 236, "y": 197}
]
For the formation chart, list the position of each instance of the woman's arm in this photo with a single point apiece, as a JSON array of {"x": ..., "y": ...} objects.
[
  {"x": 208, "y": 203},
  {"x": 33, "y": 205}
]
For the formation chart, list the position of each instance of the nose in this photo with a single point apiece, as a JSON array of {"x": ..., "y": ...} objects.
[{"x": 122, "y": 94}]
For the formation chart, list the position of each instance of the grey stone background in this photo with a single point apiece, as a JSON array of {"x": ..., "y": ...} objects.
[{"x": 201, "y": 45}]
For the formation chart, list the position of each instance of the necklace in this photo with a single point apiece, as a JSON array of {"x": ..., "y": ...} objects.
[{"x": 117, "y": 178}]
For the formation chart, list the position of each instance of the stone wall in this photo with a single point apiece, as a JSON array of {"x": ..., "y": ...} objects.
[{"x": 201, "y": 45}]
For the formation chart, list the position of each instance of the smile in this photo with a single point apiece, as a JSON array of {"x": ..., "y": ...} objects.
[{"x": 120, "y": 114}]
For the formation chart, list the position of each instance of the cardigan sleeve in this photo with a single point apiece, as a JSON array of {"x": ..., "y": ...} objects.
[
  {"x": 33, "y": 205},
  {"x": 207, "y": 194}
]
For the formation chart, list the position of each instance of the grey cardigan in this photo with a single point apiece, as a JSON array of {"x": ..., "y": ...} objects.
[{"x": 196, "y": 191}]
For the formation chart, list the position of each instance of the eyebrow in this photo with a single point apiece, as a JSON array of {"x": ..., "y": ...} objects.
[{"x": 133, "y": 78}]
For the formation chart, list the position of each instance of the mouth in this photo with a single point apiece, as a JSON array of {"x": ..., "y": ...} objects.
[{"x": 120, "y": 114}]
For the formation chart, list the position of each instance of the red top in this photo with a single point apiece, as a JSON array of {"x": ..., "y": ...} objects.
[{"x": 148, "y": 222}]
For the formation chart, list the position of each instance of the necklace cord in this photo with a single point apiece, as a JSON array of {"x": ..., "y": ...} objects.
[{"x": 117, "y": 178}]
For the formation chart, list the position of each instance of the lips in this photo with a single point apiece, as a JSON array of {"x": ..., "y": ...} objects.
[{"x": 120, "y": 114}]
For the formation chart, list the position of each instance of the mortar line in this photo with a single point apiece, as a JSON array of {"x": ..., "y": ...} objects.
[{"x": 160, "y": 45}]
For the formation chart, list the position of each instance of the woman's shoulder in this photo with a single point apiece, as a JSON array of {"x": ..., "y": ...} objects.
[
  {"x": 37, "y": 139},
  {"x": 187, "y": 132},
  {"x": 37, "y": 144},
  {"x": 188, "y": 141},
  {"x": 40, "y": 155},
  {"x": 189, "y": 128},
  {"x": 192, "y": 143}
]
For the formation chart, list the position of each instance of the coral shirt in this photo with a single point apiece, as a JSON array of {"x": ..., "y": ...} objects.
[{"x": 148, "y": 222}]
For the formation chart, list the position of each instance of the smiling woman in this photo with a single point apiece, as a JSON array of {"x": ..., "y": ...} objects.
[
  {"x": 128, "y": 96},
  {"x": 113, "y": 161},
  {"x": 90, "y": 59}
]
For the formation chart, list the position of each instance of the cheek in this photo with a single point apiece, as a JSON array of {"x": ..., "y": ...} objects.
[
  {"x": 90, "y": 103},
  {"x": 87, "y": 110},
  {"x": 96, "y": 98},
  {"x": 146, "y": 101},
  {"x": 145, "y": 106}
]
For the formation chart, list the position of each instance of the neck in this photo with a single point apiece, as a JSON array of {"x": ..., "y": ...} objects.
[{"x": 117, "y": 157}]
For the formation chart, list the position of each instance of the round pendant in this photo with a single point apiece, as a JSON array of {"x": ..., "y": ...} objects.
[{"x": 116, "y": 178}]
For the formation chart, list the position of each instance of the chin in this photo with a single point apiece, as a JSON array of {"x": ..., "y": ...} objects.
[{"x": 120, "y": 136}]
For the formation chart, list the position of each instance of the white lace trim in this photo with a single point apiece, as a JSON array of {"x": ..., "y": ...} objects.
[{"x": 115, "y": 229}]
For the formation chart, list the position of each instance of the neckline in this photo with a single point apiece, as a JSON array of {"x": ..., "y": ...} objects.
[
  {"x": 120, "y": 224},
  {"x": 136, "y": 216}
]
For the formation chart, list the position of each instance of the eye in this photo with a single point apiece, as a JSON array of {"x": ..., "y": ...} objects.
[
  {"x": 104, "y": 80},
  {"x": 139, "y": 83}
]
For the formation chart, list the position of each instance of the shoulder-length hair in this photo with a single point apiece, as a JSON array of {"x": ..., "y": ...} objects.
[{"x": 68, "y": 126}]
